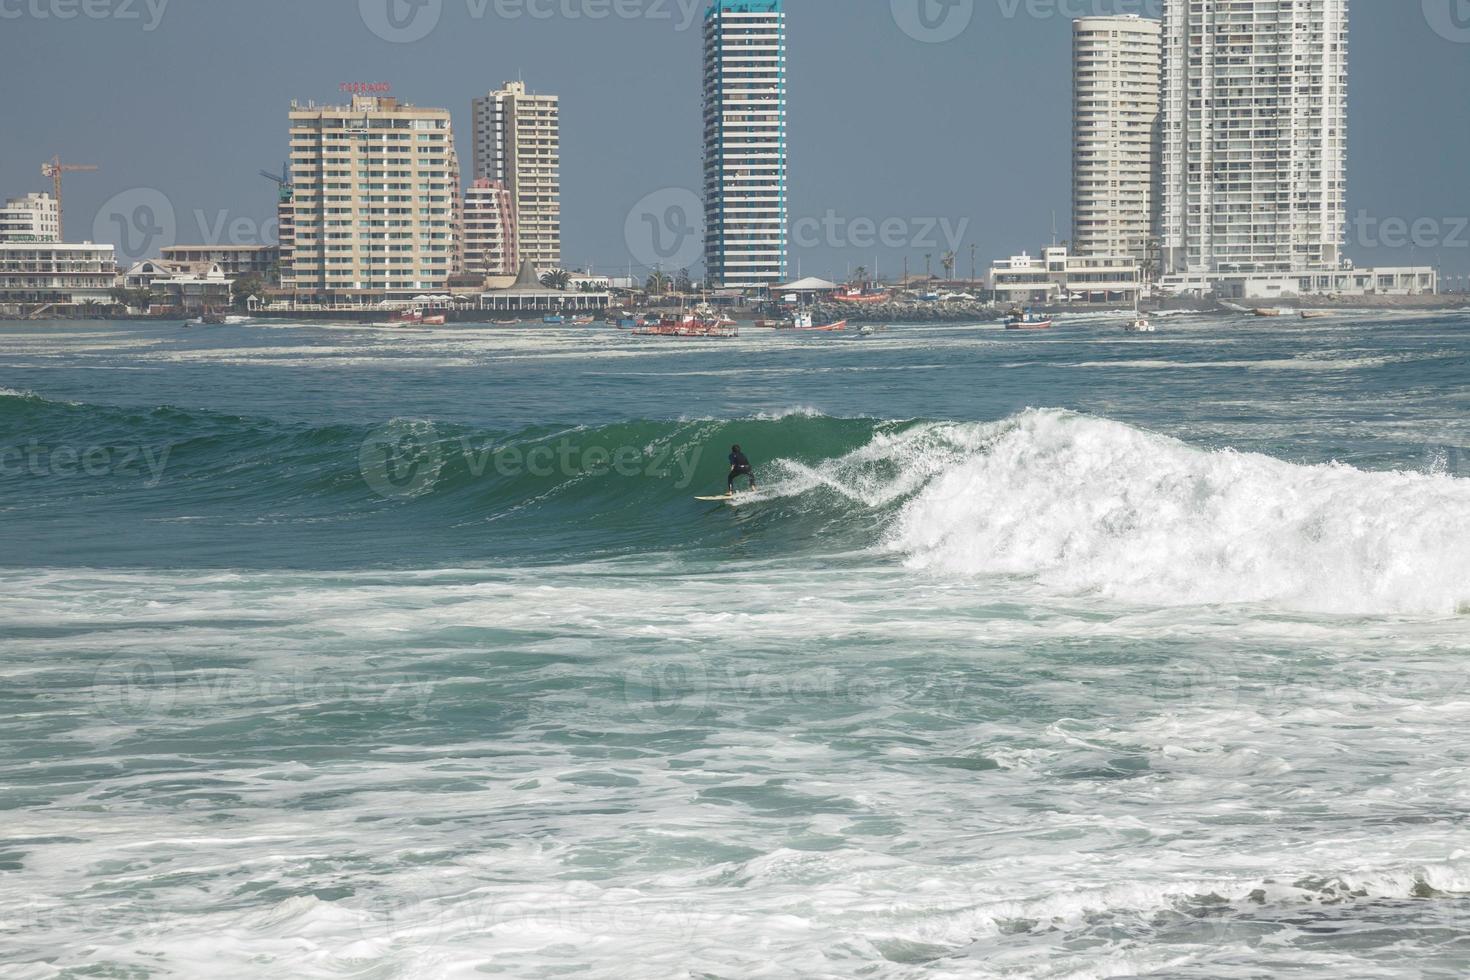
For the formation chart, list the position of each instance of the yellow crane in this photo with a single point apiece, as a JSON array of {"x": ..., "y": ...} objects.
[{"x": 54, "y": 168}]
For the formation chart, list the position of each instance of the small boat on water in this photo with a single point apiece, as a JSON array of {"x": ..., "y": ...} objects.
[
  {"x": 1140, "y": 324},
  {"x": 434, "y": 320},
  {"x": 1316, "y": 314},
  {"x": 1266, "y": 312},
  {"x": 507, "y": 323},
  {"x": 408, "y": 316},
  {"x": 1026, "y": 320},
  {"x": 803, "y": 321},
  {"x": 583, "y": 321},
  {"x": 701, "y": 323},
  {"x": 553, "y": 319}
]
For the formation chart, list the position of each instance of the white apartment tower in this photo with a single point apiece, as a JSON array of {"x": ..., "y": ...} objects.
[
  {"x": 375, "y": 198},
  {"x": 1254, "y": 135},
  {"x": 33, "y": 218},
  {"x": 745, "y": 208},
  {"x": 518, "y": 144},
  {"x": 1115, "y": 128}
]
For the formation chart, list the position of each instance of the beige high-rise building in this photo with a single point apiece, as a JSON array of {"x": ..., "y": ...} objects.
[
  {"x": 1116, "y": 79},
  {"x": 375, "y": 202},
  {"x": 518, "y": 144}
]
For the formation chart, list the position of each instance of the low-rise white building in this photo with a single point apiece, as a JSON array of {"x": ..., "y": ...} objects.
[
  {"x": 38, "y": 274},
  {"x": 1059, "y": 277},
  {"x": 1397, "y": 281},
  {"x": 187, "y": 291}
]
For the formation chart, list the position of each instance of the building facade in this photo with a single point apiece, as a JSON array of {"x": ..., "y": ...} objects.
[
  {"x": 1061, "y": 277},
  {"x": 491, "y": 242},
  {"x": 1115, "y": 131},
  {"x": 517, "y": 143},
  {"x": 1254, "y": 135},
  {"x": 33, "y": 218},
  {"x": 745, "y": 203},
  {"x": 375, "y": 198},
  {"x": 37, "y": 274},
  {"x": 235, "y": 261}
]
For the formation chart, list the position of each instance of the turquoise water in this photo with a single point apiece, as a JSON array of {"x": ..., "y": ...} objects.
[{"x": 346, "y": 651}]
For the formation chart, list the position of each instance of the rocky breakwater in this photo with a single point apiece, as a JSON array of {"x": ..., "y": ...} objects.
[{"x": 906, "y": 311}]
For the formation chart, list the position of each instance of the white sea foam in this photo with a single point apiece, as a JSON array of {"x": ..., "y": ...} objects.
[{"x": 1082, "y": 504}]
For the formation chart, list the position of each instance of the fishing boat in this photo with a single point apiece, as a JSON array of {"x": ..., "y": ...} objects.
[
  {"x": 1026, "y": 320},
  {"x": 434, "y": 320},
  {"x": 553, "y": 319},
  {"x": 803, "y": 321},
  {"x": 689, "y": 325},
  {"x": 583, "y": 321},
  {"x": 861, "y": 293},
  {"x": 408, "y": 316}
]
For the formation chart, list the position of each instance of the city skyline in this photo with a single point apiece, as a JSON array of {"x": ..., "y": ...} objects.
[{"x": 910, "y": 119}]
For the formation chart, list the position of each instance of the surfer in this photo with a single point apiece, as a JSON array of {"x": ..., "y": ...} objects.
[{"x": 739, "y": 466}]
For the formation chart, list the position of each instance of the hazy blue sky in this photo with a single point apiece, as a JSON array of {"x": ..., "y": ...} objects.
[{"x": 188, "y": 98}]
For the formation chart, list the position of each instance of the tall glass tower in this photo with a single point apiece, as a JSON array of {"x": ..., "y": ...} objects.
[{"x": 745, "y": 211}]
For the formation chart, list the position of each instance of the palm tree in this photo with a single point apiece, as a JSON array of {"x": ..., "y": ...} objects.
[
  {"x": 657, "y": 283},
  {"x": 860, "y": 274},
  {"x": 683, "y": 283},
  {"x": 948, "y": 263},
  {"x": 557, "y": 279},
  {"x": 928, "y": 265}
]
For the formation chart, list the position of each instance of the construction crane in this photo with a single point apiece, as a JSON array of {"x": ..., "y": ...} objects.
[
  {"x": 54, "y": 168},
  {"x": 283, "y": 180}
]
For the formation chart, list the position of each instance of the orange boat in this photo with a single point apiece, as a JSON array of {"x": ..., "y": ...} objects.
[{"x": 861, "y": 294}]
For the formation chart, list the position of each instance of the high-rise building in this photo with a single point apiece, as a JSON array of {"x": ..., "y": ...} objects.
[
  {"x": 1115, "y": 120},
  {"x": 1254, "y": 135},
  {"x": 491, "y": 245},
  {"x": 375, "y": 202},
  {"x": 518, "y": 144},
  {"x": 33, "y": 218},
  {"x": 745, "y": 208}
]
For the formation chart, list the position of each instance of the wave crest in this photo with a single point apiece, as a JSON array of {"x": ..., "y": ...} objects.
[{"x": 1090, "y": 505}]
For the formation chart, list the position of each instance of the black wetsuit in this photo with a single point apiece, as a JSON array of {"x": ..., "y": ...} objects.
[{"x": 740, "y": 466}]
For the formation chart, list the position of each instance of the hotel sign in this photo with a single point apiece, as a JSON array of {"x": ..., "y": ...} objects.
[{"x": 366, "y": 88}]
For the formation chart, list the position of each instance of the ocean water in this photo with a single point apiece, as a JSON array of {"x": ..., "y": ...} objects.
[{"x": 357, "y": 652}]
